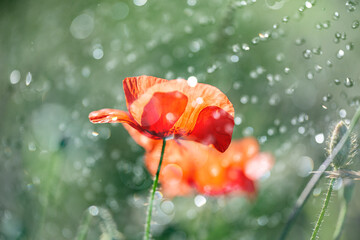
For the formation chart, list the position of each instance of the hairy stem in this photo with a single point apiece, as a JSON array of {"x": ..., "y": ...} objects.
[
  {"x": 323, "y": 210},
  {"x": 316, "y": 177},
  {"x": 151, "y": 201},
  {"x": 346, "y": 196}
]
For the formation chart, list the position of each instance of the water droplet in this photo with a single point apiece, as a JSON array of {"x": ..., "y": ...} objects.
[
  {"x": 286, "y": 70},
  {"x": 318, "y": 68},
  {"x": 283, "y": 129},
  {"x": 348, "y": 82},
  {"x": 285, "y": 19},
  {"x": 280, "y": 57},
  {"x": 349, "y": 46},
  {"x": 319, "y": 138},
  {"x": 308, "y": 4},
  {"x": 15, "y": 77},
  {"x": 255, "y": 40},
  {"x": 307, "y": 54},
  {"x": 236, "y": 85},
  {"x": 336, "y": 15},
  {"x": 236, "y": 48},
  {"x": 199, "y": 200},
  {"x": 343, "y": 36},
  {"x": 329, "y": 63},
  {"x": 317, "y": 51},
  {"x": 337, "y": 81},
  {"x": 82, "y": 26},
  {"x": 244, "y": 99},
  {"x": 97, "y": 53},
  {"x": 263, "y": 220},
  {"x": 28, "y": 79},
  {"x": 245, "y": 47},
  {"x": 355, "y": 24},
  {"x": 317, "y": 192},
  {"x": 191, "y": 2},
  {"x": 119, "y": 11},
  {"x": 234, "y": 58},
  {"x": 140, "y": 2},
  {"x": 301, "y": 130},
  {"x": 274, "y": 99},
  {"x": 192, "y": 81},
  {"x": 299, "y": 41},
  {"x": 342, "y": 113},
  {"x": 350, "y": 6},
  {"x": 309, "y": 75},
  {"x": 340, "y": 54},
  {"x": 93, "y": 210},
  {"x": 238, "y": 120},
  {"x": 327, "y": 97},
  {"x": 326, "y": 24}
]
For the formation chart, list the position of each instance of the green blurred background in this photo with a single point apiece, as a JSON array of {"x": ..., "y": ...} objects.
[{"x": 290, "y": 68}]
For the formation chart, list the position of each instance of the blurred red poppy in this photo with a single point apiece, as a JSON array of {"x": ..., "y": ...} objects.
[
  {"x": 190, "y": 167},
  {"x": 159, "y": 108}
]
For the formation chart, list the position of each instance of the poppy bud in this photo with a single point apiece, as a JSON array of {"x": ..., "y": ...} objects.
[{"x": 347, "y": 152}]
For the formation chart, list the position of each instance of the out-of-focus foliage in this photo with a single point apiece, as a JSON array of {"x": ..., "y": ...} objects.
[{"x": 289, "y": 67}]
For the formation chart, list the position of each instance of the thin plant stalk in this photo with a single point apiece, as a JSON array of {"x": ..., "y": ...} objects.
[
  {"x": 323, "y": 210},
  {"x": 84, "y": 227},
  {"x": 316, "y": 177},
  {"x": 346, "y": 196},
  {"x": 151, "y": 201}
]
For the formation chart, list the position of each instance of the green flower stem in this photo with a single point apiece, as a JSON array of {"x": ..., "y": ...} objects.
[
  {"x": 150, "y": 207},
  {"x": 323, "y": 210},
  {"x": 346, "y": 197},
  {"x": 316, "y": 177}
]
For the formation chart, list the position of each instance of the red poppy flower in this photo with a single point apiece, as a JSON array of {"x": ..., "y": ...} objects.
[
  {"x": 159, "y": 108},
  {"x": 190, "y": 167}
]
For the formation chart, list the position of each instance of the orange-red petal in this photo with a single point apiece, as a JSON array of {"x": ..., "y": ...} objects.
[
  {"x": 214, "y": 126},
  {"x": 200, "y": 97},
  {"x": 136, "y": 86},
  {"x": 107, "y": 115},
  {"x": 162, "y": 111}
]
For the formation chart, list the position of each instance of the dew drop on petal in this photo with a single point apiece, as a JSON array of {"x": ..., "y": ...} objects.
[{"x": 192, "y": 81}]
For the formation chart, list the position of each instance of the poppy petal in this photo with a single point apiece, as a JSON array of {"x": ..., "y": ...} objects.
[
  {"x": 199, "y": 97},
  {"x": 136, "y": 86},
  {"x": 213, "y": 126},
  {"x": 162, "y": 111},
  {"x": 241, "y": 151},
  {"x": 107, "y": 115},
  {"x": 238, "y": 181}
]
